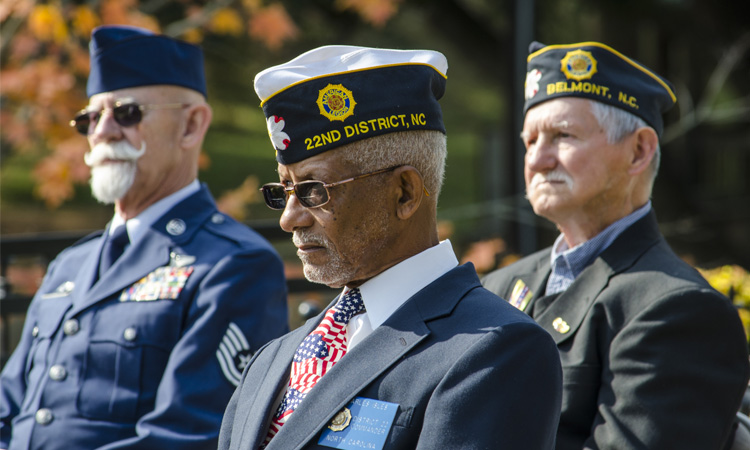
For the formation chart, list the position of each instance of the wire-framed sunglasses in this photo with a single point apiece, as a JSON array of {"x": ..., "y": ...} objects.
[
  {"x": 125, "y": 114},
  {"x": 310, "y": 194}
]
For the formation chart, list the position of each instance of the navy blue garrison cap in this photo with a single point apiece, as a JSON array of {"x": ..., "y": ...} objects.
[
  {"x": 597, "y": 72},
  {"x": 125, "y": 57},
  {"x": 334, "y": 95}
]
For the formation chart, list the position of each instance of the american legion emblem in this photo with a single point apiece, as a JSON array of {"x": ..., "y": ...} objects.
[
  {"x": 578, "y": 65},
  {"x": 336, "y": 102}
]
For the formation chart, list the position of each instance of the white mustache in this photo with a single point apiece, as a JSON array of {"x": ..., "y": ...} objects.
[
  {"x": 121, "y": 150},
  {"x": 300, "y": 238},
  {"x": 555, "y": 175}
]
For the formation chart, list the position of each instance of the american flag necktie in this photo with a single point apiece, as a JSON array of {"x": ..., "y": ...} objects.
[{"x": 315, "y": 356}]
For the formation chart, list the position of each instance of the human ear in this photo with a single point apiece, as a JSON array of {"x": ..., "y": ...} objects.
[
  {"x": 197, "y": 123},
  {"x": 643, "y": 146},
  {"x": 410, "y": 191}
]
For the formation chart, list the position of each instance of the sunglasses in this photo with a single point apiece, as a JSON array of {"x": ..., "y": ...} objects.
[
  {"x": 310, "y": 194},
  {"x": 125, "y": 114}
]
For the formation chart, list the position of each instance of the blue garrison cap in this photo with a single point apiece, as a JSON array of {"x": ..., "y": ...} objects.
[
  {"x": 598, "y": 72},
  {"x": 125, "y": 57},
  {"x": 337, "y": 94}
]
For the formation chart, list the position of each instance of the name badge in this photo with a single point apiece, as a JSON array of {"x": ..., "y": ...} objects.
[{"x": 363, "y": 424}]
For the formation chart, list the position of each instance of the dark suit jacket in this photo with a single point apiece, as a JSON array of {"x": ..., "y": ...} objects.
[
  {"x": 466, "y": 369},
  {"x": 149, "y": 355},
  {"x": 652, "y": 356}
]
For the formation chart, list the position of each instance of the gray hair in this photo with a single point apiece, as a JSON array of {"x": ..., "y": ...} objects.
[
  {"x": 426, "y": 150},
  {"x": 619, "y": 123}
]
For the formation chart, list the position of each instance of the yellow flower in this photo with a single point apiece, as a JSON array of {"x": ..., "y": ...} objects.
[
  {"x": 84, "y": 21},
  {"x": 226, "y": 21},
  {"x": 46, "y": 22}
]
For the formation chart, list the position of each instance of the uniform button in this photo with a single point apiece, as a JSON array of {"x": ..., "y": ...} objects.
[
  {"x": 58, "y": 372},
  {"x": 217, "y": 218},
  {"x": 35, "y": 331},
  {"x": 130, "y": 334},
  {"x": 71, "y": 327},
  {"x": 176, "y": 227},
  {"x": 44, "y": 416}
]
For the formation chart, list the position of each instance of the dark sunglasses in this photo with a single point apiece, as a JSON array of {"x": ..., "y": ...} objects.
[
  {"x": 310, "y": 194},
  {"x": 125, "y": 114}
]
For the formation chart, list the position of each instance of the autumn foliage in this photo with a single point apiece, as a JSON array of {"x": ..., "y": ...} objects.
[{"x": 45, "y": 62}]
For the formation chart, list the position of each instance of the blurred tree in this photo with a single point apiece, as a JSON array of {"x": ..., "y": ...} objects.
[{"x": 45, "y": 64}]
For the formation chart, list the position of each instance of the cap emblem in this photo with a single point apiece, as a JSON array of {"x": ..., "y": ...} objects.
[
  {"x": 532, "y": 83},
  {"x": 276, "y": 132},
  {"x": 578, "y": 65},
  {"x": 336, "y": 102}
]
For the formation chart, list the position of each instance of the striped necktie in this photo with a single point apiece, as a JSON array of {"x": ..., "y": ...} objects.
[{"x": 315, "y": 356}]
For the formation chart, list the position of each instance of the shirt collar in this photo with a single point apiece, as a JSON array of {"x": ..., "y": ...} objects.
[
  {"x": 137, "y": 226},
  {"x": 580, "y": 256},
  {"x": 387, "y": 291}
]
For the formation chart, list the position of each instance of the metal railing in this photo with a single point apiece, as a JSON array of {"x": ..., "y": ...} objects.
[{"x": 41, "y": 248}]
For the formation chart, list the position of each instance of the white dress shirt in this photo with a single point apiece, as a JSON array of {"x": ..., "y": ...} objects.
[{"x": 386, "y": 292}]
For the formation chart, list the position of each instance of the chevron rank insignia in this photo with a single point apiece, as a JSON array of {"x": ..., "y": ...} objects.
[{"x": 233, "y": 354}]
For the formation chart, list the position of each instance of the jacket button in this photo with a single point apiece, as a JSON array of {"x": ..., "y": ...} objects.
[
  {"x": 58, "y": 372},
  {"x": 130, "y": 334},
  {"x": 71, "y": 327},
  {"x": 44, "y": 416}
]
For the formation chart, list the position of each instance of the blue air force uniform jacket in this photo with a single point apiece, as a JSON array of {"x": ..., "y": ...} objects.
[
  {"x": 466, "y": 369},
  {"x": 652, "y": 356},
  {"x": 149, "y": 355}
]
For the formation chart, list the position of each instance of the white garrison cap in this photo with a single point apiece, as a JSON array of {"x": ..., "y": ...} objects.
[
  {"x": 333, "y": 59},
  {"x": 334, "y": 95}
]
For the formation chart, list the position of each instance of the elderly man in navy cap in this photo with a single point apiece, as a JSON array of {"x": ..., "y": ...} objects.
[
  {"x": 652, "y": 357},
  {"x": 138, "y": 335},
  {"x": 414, "y": 353}
]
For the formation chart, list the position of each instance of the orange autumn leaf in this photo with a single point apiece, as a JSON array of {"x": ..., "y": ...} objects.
[
  {"x": 376, "y": 12},
  {"x": 272, "y": 26},
  {"x": 234, "y": 202},
  {"x": 53, "y": 180}
]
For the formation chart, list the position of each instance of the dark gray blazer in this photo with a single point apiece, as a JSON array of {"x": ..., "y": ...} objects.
[
  {"x": 652, "y": 356},
  {"x": 467, "y": 370}
]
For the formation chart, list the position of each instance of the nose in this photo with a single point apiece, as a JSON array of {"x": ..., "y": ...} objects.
[
  {"x": 295, "y": 215},
  {"x": 540, "y": 156},
  {"x": 106, "y": 129}
]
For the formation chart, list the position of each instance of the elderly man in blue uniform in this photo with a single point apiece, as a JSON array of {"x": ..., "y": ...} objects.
[
  {"x": 652, "y": 357},
  {"x": 143, "y": 350},
  {"x": 414, "y": 353}
]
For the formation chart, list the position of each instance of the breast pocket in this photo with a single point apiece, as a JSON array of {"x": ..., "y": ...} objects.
[{"x": 128, "y": 350}]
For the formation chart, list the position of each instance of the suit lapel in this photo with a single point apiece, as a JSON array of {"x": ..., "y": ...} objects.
[
  {"x": 144, "y": 256},
  {"x": 350, "y": 375},
  {"x": 566, "y": 313},
  {"x": 405, "y": 329},
  {"x": 266, "y": 386},
  {"x": 137, "y": 261},
  {"x": 535, "y": 280}
]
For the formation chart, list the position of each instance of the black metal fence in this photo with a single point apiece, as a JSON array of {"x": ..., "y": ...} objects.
[{"x": 35, "y": 251}]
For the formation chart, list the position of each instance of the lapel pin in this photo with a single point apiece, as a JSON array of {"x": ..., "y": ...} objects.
[
  {"x": 341, "y": 420},
  {"x": 560, "y": 325}
]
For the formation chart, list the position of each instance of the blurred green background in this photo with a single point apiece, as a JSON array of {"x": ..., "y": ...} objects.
[{"x": 701, "y": 195}]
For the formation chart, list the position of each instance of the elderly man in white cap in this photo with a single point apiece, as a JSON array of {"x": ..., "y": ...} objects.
[{"x": 414, "y": 353}]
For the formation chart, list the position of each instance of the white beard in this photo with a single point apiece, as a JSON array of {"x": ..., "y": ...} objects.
[{"x": 111, "y": 180}]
